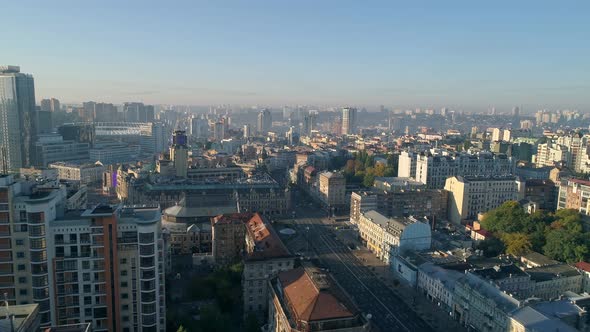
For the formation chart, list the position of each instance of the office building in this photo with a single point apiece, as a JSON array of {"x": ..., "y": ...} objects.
[
  {"x": 349, "y": 121},
  {"x": 138, "y": 112},
  {"x": 50, "y": 105},
  {"x": 18, "y": 125},
  {"x": 469, "y": 196},
  {"x": 200, "y": 127},
  {"x": 309, "y": 123},
  {"x": 247, "y": 131},
  {"x": 264, "y": 122},
  {"x": 307, "y": 299},
  {"x": 51, "y": 148},
  {"x": 179, "y": 154},
  {"x": 108, "y": 153},
  {"x": 78, "y": 132}
]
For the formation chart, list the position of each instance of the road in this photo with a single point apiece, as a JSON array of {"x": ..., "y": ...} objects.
[{"x": 389, "y": 312}]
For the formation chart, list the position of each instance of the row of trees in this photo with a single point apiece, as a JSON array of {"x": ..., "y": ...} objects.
[
  {"x": 558, "y": 235},
  {"x": 362, "y": 169}
]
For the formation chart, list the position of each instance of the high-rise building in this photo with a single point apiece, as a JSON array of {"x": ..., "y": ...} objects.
[
  {"x": 18, "y": 125},
  {"x": 50, "y": 105},
  {"x": 264, "y": 121},
  {"x": 516, "y": 111},
  {"x": 138, "y": 112},
  {"x": 348, "y": 121},
  {"x": 309, "y": 123},
  {"x": 179, "y": 153},
  {"x": 200, "y": 127},
  {"x": 247, "y": 131}
]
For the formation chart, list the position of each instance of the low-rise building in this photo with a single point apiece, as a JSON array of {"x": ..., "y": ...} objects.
[
  {"x": 188, "y": 238},
  {"x": 85, "y": 173},
  {"x": 437, "y": 283},
  {"x": 552, "y": 281},
  {"x": 307, "y": 299}
]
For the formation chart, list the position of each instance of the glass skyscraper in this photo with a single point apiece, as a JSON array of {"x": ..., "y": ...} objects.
[{"x": 17, "y": 118}]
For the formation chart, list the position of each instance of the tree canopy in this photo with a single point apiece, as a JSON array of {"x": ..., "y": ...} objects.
[{"x": 558, "y": 235}]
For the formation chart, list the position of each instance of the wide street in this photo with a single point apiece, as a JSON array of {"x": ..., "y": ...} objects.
[{"x": 388, "y": 311}]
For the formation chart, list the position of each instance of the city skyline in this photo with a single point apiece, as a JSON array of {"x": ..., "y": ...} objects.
[{"x": 461, "y": 55}]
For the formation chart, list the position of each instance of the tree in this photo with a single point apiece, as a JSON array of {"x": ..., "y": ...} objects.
[
  {"x": 517, "y": 244},
  {"x": 509, "y": 217},
  {"x": 369, "y": 177},
  {"x": 181, "y": 329},
  {"x": 491, "y": 247}
]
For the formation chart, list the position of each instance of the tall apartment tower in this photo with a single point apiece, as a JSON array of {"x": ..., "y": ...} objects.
[
  {"x": 200, "y": 127},
  {"x": 309, "y": 123},
  {"x": 108, "y": 268},
  {"x": 348, "y": 121},
  {"x": 18, "y": 125},
  {"x": 264, "y": 121},
  {"x": 25, "y": 215}
]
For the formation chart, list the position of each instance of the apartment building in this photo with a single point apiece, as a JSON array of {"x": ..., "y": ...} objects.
[
  {"x": 433, "y": 170},
  {"x": 362, "y": 201},
  {"x": 108, "y": 269},
  {"x": 229, "y": 237},
  {"x": 333, "y": 190},
  {"x": 469, "y": 196},
  {"x": 386, "y": 237},
  {"x": 574, "y": 194}
]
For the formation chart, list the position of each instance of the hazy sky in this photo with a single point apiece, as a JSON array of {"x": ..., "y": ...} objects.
[{"x": 397, "y": 53}]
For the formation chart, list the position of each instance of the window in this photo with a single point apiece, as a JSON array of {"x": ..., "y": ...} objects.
[
  {"x": 86, "y": 276},
  {"x": 123, "y": 260},
  {"x": 125, "y": 307},
  {"x": 22, "y": 280},
  {"x": 22, "y": 267},
  {"x": 20, "y": 254},
  {"x": 22, "y": 292},
  {"x": 88, "y": 312},
  {"x": 123, "y": 273},
  {"x": 87, "y": 289},
  {"x": 124, "y": 296},
  {"x": 20, "y": 242},
  {"x": 87, "y": 300},
  {"x": 124, "y": 284},
  {"x": 86, "y": 265}
]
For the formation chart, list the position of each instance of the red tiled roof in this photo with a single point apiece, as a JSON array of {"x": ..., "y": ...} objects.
[
  {"x": 307, "y": 301},
  {"x": 267, "y": 242},
  {"x": 583, "y": 266},
  {"x": 580, "y": 181}
]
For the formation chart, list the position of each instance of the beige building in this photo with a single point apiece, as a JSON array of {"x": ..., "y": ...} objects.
[
  {"x": 552, "y": 281},
  {"x": 362, "y": 201},
  {"x": 333, "y": 190},
  {"x": 469, "y": 196},
  {"x": 265, "y": 256},
  {"x": 85, "y": 173},
  {"x": 187, "y": 239},
  {"x": 307, "y": 299}
]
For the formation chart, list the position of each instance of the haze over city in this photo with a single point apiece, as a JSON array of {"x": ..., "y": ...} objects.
[{"x": 462, "y": 54}]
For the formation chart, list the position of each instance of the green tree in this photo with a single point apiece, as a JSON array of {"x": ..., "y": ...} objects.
[
  {"x": 369, "y": 177},
  {"x": 510, "y": 217},
  {"x": 389, "y": 172},
  {"x": 181, "y": 329},
  {"x": 516, "y": 244},
  {"x": 491, "y": 247}
]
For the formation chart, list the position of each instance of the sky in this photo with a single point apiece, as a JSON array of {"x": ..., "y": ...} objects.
[{"x": 462, "y": 54}]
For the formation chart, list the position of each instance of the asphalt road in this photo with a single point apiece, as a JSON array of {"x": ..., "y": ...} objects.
[{"x": 388, "y": 310}]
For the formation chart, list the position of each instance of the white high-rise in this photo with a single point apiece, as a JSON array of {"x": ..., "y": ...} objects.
[{"x": 348, "y": 121}]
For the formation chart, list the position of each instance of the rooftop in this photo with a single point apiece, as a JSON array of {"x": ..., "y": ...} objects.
[
  {"x": 499, "y": 272},
  {"x": 550, "y": 272},
  {"x": 267, "y": 243},
  {"x": 25, "y": 317},
  {"x": 533, "y": 320},
  {"x": 309, "y": 301}
]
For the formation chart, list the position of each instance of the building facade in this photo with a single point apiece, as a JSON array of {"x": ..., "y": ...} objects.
[{"x": 469, "y": 196}]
